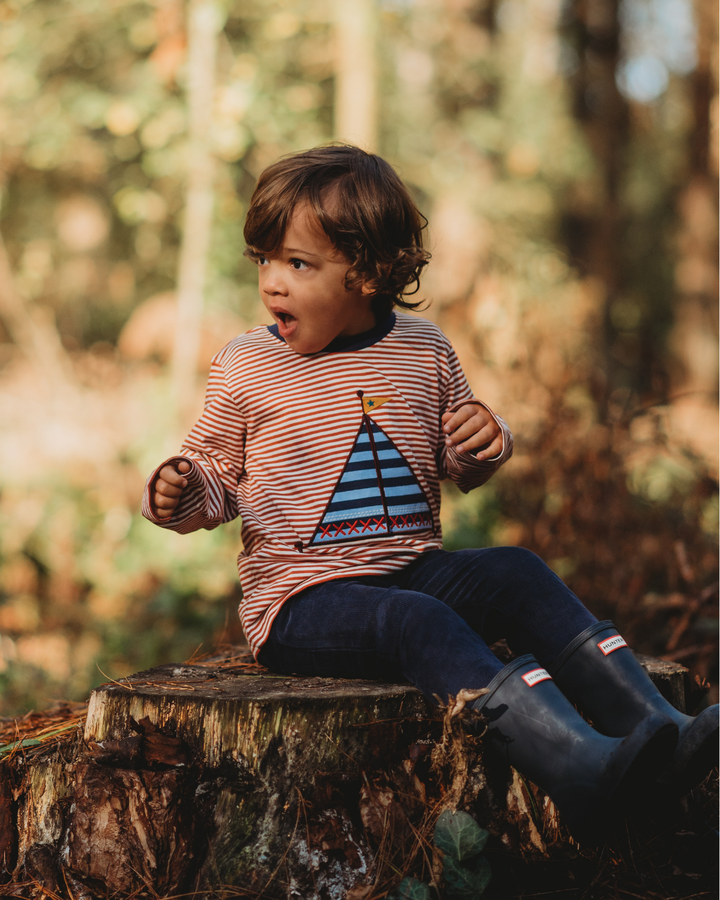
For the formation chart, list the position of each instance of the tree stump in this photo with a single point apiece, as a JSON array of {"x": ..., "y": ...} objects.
[{"x": 206, "y": 777}]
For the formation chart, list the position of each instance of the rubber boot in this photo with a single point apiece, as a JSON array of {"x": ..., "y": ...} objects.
[
  {"x": 598, "y": 671},
  {"x": 535, "y": 728}
]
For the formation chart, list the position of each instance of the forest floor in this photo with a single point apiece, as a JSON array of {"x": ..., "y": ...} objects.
[{"x": 666, "y": 849}]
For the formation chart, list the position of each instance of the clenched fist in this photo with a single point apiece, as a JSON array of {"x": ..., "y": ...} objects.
[
  {"x": 473, "y": 428},
  {"x": 167, "y": 490}
]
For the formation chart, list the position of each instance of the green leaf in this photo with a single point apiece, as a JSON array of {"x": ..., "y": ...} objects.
[
  {"x": 465, "y": 882},
  {"x": 410, "y": 889},
  {"x": 23, "y": 742},
  {"x": 458, "y": 835}
]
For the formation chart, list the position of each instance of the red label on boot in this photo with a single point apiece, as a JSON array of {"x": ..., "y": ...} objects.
[
  {"x": 612, "y": 643},
  {"x": 536, "y": 676}
]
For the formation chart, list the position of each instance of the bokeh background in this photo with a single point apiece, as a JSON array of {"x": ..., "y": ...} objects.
[{"x": 565, "y": 152}]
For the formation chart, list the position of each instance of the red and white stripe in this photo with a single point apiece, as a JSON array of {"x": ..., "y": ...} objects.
[{"x": 273, "y": 439}]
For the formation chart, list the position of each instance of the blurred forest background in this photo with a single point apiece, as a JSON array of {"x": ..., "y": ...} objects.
[{"x": 565, "y": 152}]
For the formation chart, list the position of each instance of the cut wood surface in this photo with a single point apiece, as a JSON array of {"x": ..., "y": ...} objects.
[
  {"x": 221, "y": 775},
  {"x": 226, "y": 716}
]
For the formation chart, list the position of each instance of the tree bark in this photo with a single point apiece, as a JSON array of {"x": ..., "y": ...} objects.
[
  {"x": 204, "y": 22},
  {"x": 195, "y": 778},
  {"x": 694, "y": 335},
  {"x": 603, "y": 113},
  {"x": 356, "y": 114}
]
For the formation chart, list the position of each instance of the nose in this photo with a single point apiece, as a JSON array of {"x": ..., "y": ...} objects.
[{"x": 271, "y": 279}]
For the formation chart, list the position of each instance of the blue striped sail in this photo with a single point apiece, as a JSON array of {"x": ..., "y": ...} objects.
[{"x": 356, "y": 511}]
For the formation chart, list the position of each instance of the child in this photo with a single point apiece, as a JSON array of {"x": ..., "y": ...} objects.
[{"x": 328, "y": 432}]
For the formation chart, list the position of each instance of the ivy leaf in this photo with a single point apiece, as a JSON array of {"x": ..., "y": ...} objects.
[
  {"x": 465, "y": 882},
  {"x": 459, "y": 836},
  {"x": 410, "y": 889}
]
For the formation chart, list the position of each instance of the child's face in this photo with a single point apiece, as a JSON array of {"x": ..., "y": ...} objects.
[{"x": 302, "y": 287}]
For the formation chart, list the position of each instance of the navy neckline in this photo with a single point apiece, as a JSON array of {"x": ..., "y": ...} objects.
[{"x": 346, "y": 344}]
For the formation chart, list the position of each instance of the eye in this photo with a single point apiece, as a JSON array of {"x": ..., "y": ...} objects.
[
  {"x": 298, "y": 264},
  {"x": 255, "y": 256}
]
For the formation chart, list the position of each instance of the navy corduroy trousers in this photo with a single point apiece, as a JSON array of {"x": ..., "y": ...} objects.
[{"x": 430, "y": 623}]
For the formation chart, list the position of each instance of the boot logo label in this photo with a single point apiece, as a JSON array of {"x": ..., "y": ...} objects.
[
  {"x": 535, "y": 676},
  {"x": 612, "y": 643}
]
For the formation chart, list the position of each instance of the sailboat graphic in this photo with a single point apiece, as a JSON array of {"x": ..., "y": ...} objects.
[{"x": 377, "y": 493}]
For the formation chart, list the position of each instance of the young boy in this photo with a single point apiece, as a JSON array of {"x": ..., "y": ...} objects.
[{"x": 328, "y": 432}]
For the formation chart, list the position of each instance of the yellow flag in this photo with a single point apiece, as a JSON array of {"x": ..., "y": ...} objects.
[{"x": 371, "y": 403}]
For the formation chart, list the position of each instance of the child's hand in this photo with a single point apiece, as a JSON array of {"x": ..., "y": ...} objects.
[
  {"x": 168, "y": 488},
  {"x": 472, "y": 427}
]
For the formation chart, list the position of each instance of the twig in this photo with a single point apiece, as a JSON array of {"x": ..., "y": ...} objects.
[
  {"x": 112, "y": 680},
  {"x": 684, "y": 652}
]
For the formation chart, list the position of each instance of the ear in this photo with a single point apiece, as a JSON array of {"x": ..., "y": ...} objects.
[{"x": 368, "y": 288}]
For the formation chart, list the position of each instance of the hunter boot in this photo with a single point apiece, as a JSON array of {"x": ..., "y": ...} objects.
[
  {"x": 598, "y": 671},
  {"x": 535, "y": 728}
]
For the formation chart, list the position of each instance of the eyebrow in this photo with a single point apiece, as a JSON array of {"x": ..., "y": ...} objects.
[{"x": 303, "y": 252}]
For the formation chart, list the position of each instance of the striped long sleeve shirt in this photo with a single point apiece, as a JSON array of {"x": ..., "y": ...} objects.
[{"x": 332, "y": 460}]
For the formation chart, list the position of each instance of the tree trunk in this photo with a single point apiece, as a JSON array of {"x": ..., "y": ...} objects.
[
  {"x": 694, "y": 336},
  {"x": 355, "y": 73},
  {"x": 199, "y": 777},
  {"x": 204, "y": 21},
  {"x": 603, "y": 112}
]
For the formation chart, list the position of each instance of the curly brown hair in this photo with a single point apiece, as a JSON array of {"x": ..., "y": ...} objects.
[{"x": 362, "y": 206}]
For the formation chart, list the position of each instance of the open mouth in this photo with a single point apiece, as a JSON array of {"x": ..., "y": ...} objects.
[{"x": 286, "y": 323}]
